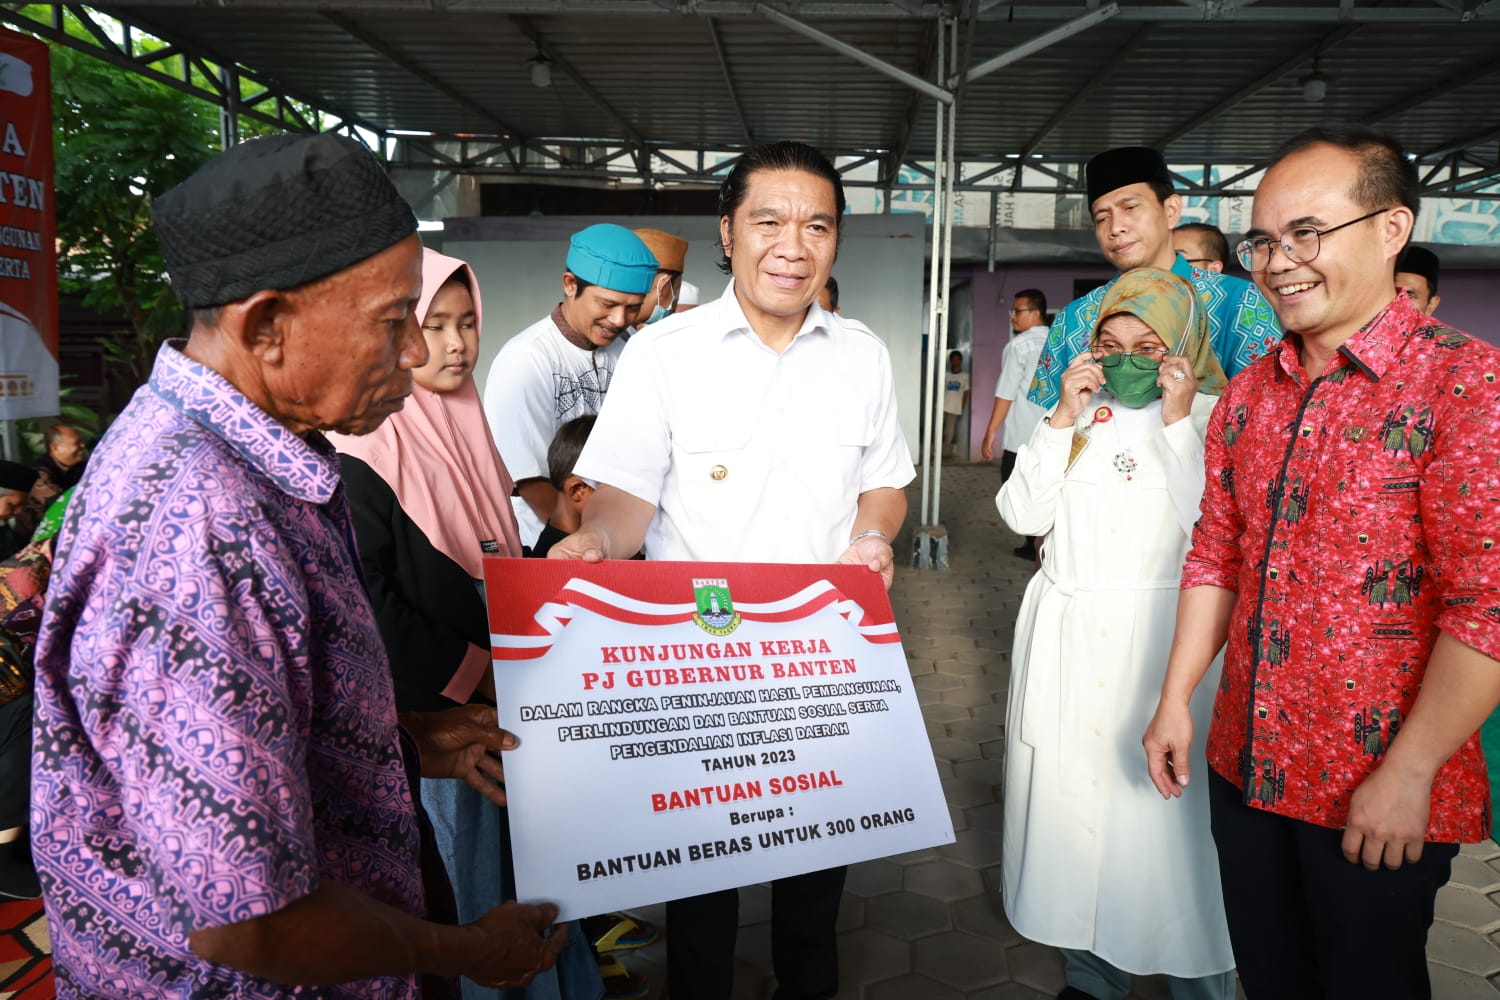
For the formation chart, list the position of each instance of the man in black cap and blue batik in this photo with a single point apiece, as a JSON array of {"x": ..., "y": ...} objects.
[
  {"x": 1134, "y": 210},
  {"x": 559, "y": 367},
  {"x": 223, "y": 802},
  {"x": 1417, "y": 272}
]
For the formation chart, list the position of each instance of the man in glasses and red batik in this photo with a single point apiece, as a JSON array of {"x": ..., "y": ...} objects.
[
  {"x": 1134, "y": 208},
  {"x": 1346, "y": 553}
]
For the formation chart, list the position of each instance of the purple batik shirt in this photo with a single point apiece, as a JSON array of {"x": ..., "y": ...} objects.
[{"x": 215, "y": 725}]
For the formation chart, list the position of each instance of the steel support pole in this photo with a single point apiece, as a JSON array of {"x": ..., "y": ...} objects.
[
  {"x": 934, "y": 306},
  {"x": 941, "y": 354}
]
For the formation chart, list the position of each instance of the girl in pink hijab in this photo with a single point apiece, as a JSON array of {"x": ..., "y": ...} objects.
[{"x": 430, "y": 498}]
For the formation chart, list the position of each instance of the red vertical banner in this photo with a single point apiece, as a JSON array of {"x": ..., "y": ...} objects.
[{"x": 28, "y": 231}]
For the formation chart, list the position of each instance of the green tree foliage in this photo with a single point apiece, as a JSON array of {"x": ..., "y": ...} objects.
[{"x": 120, "y": 138}]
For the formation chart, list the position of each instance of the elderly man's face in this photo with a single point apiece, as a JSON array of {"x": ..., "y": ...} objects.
[
  {"x": 67, "y": 449},
  {"x": 349, "y": 345},
  {"x": 10, "y": 504}
]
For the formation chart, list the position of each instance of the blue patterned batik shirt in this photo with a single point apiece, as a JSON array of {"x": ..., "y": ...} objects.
[
  {"x": 1240, "y": 324},
  {"x": 215, "y": 727}
]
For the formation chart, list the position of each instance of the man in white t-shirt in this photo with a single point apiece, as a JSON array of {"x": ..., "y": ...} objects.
[
  {"x": 726, "y": 440},
  {"x": 560, "y": 367},
  {"x": 955, "y": 398},
  {"x": 1019, "y": 415}
]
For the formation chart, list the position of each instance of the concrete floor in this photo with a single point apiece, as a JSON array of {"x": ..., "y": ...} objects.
[{"x": 928, "y": 925}]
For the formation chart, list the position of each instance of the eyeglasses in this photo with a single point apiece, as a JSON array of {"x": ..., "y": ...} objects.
[
  {"x": 1144, "y": 359},
  {"x": 1301, "y": 244},
  {"x": 1023, "y": 309}
]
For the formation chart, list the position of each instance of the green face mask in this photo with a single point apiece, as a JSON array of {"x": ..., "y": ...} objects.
[{"x": 1131, "y": 378}]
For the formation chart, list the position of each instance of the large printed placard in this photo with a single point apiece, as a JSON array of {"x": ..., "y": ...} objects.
[
  {"x": 687, "y": 727},
  {"x": 28, "y": 244}
]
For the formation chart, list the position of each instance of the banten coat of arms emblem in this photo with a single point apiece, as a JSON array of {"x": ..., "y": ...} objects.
[{"x": 715, "y": 614}]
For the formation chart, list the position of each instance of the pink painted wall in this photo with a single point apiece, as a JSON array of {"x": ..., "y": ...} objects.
[
  {"x": 1468, "y": 304},
  {"x": 992, "y": 297}
]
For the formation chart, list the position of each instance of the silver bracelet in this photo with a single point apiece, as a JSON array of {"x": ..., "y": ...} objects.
[{"x": 871, "y": 533}]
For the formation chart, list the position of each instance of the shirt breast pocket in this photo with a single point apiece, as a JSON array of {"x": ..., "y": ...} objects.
[
  {"x": 829, "y": 459},
  {"x": 718, "y": 463}
]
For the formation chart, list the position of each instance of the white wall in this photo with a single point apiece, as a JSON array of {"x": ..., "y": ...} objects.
[{"x": 519, "y": 261}]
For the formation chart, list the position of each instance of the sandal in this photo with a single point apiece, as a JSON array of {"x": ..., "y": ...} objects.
[
  {"x": 619, "y": 982},
  {"x": 619, "y": 932}
]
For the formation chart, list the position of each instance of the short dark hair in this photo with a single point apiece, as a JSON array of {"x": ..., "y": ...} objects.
[
  {"x": 955, "y": 354},
  {"x": 567, "y": 445},
  {"x": 833, "y": 292},
  {"x": 1162, "y": 190},
  {"x": 583, "y": 286},
  {"x": 1387, "y": 176},
  {"x": 1034, "y": 299},
  {"x": 1211, "y": 238},
  {"x": 783, "y": 155}
]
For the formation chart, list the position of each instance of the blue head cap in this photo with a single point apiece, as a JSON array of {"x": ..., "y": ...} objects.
[{"x": 612, "y": 257}]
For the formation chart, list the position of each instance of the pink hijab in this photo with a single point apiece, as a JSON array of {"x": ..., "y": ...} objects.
[{"x": 438, "y": 456}]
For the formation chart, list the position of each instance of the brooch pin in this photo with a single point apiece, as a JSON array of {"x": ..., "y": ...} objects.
[{"x": 1125, "y": 464}]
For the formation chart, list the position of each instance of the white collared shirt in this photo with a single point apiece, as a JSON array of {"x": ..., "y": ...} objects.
[{"x": 749, "y": 456}]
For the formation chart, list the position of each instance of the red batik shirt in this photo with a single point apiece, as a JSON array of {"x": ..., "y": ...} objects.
[{"x": 1355, "y": 515}]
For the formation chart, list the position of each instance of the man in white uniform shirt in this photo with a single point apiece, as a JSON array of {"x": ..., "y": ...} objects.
[
  {"x": 1019, "y": 415},
  {"x": 756, "y": 428},
  {"x": 560, "y": 367}
]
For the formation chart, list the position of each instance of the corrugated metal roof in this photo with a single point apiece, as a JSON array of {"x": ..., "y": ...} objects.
[{"x": 1222, "y": 88}]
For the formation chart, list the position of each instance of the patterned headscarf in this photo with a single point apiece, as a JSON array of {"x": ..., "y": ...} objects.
[{"x": 1170, "y": 306}]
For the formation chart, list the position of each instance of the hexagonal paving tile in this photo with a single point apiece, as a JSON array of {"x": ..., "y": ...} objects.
[
  {"x": 972, "y": 669},
  {"x": 868, "y": 956},
  {"x": 975, "y": 849},
  {"x": 941, "y": 712},
  {"x": 988, "y": 817},
  {"x": 964, "y": 794},
  {"x": 981, "y": 727},
  {"x": 1010, "y": 991},
  {"x": 938, "y": 682},
  {"x": 1485, "y": 850},
  {"x": 1037, "y": 966},
  {"x": 990, "y": 772},
  {"x": 970, "y": 697},
  {"x": 1451, "y": 984},
  {"x": 945, "y": 880},
  {"x": 851, "y": 913},
  {"x": 911, "y": 987},
  {"x": 907, "y": 915},
  {"x": 1467, "y": 908},
  {"x": 960, "y": 960},
  {"x": 1463, "y": 949},
  {"x": 984, "y": 917},
  {"x": 872, "y": 878},
  {"x": 952, "y": 749},
  {"x": 1475, "y": 874},
  {"x": 992, "y": 713}
]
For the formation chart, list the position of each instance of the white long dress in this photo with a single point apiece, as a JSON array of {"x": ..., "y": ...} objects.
[{"x": 1094, "y": 858}]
